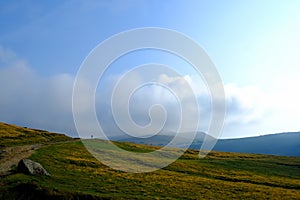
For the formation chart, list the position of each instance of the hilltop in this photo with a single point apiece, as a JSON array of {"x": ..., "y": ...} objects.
[
  {"x": 11, "y": 135},
  {"x": 75, "y": 174}
]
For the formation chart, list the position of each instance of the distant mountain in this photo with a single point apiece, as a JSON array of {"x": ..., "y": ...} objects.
[
  {"x": 164, "y": 139},
  {"x": 284, "y": 144}
]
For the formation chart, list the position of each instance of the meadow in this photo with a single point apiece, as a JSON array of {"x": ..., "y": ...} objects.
[{"x": 76, "y": 174}]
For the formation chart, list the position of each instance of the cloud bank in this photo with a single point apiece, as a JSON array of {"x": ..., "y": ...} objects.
[
  {"x": 29, "y": 99},
  {"x": 32, "y": 100}
]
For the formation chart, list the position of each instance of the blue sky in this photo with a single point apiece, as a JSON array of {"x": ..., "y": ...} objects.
[{"x": 254, "y": 45}]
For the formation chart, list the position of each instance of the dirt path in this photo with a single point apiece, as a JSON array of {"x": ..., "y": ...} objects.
[{"x": 10, "y": 157}]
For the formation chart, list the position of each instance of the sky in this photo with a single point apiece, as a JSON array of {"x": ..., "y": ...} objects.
[{"x": 254, "y": 45}]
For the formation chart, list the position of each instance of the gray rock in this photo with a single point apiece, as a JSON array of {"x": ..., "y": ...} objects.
[{"x": 30, "y": 167}]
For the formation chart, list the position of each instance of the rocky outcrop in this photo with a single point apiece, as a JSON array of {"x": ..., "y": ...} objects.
[{"x": 30, "y": 167}]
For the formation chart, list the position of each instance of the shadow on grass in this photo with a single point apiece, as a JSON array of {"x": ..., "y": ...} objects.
[{"x": 32, "y": 191}]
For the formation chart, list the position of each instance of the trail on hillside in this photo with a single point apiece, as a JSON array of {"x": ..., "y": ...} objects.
[{"x": 10, "y": 156}]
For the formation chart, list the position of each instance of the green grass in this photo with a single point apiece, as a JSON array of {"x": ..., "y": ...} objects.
[
  {"x": 11, "y": 135},
  {"x": 76, "y": 174}
]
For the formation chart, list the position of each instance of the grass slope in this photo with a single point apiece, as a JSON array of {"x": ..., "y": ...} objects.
[
  {"x": 77, "y": 175},
  {"x": 11, "y": 135}
]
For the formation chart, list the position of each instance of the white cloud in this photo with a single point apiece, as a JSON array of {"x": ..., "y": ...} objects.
[
  {"x": 29, "y": 99},
  {"x": 245, "y": 104}
]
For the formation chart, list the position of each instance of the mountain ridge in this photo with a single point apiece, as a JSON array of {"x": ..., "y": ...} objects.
[{"x": 284, "y": 144}]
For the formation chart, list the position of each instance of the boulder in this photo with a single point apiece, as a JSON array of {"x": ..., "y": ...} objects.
[{"x": 30, "y": 167}]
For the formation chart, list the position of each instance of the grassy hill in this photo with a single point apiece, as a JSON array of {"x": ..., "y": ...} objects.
[
  {"x": 11, "y": 135},
  {"x": 75, "y": 174}
]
